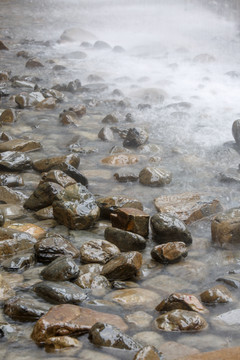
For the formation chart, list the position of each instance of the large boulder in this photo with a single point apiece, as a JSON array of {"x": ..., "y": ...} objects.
[{"x": 225, "y": 227}]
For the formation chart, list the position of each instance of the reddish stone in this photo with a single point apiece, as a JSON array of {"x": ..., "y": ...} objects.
[{"x": 132, "y": 220}]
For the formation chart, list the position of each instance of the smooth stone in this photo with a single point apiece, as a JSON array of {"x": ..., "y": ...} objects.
[
  {"x": 47, "y": 164},
  {"x": 48, "y": 103},
  {"x": 189, "y": 270},
  {"x": 24, "y": 84},
  {"x": 183, "y": 302},
  {"x": 62, "y": 342},
  {"x": 11, "y": 180},
  {"x": 147, "y": 353},
  {"x": 71, "y": 320},
  {"x": 25, "y": 309},
  {"x": 225, "y": 227},
  {"x": 43, "y": 196},
  {"x": 110, "y": 204},
  {"x": 90, "y": 268},
  {"x": 131, "y": 219},
  {"x": 13, "y": 241},
  {"x": 98, "y": 251},
  {"x": 20, "y": 145},
  {"x": 68, "y": 118},
  {"x": 180, "y": 320},
  {"x": 170, "y": 252},
  {"x": 130, "y": 298},
  {"x": 225, "y": 354},
  {"x": 92, "y": 281},
  {"x": 101, "y": 45},
  {"x": 32, "y": 229},
  {"x": 10, "y": 196},
  {"x": 25, "y": 100},
  {"x": 19, "y": 262},
  {"x": 11, "y": 212},
  {"x": 33, "y": 63},
  {"x": 152, "y": 176},
  {"x": 106, "y": 134},
  {"x": 126, "y": 176},
  {"x": 217, "y": 294},
  {"x": 76, "y": 34},
  {"x": 61, "y": 269},
  {"x": 135, "y": 137},
  {"x": 125, "y": 240},
  {"x": 8, "y": 116},
  {"x": 79, "y": 110},
  {"x": 120, "y": 160},
  {"x": 110, "y": 119},
  {"x": 150, "y": 149},
  {"x": 14, "y": 161},
  {"x": 5, "y": 289},
  {"x": 140, "y": 319},
  {"x": 119, "y": 150},
  {"x": 45, "y": 213}
]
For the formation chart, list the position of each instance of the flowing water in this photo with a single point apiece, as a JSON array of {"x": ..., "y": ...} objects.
[{"x": 160, "y": 66}]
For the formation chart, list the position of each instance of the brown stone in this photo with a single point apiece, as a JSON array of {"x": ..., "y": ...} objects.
[
  {"x": 180, "y": 320},
  {"x": 188, "y": 207},
  {"x": 27, "y": 100},
  {"x": 10, "y": 179},
  {"x": 225, "y": 227},
  {"x": 147, "y": 353},
  {"x": 62, "y": 342},
  {"x": 170, "y": 252},
  {"x": 217, "y": 294},
  {"x": 172, "y": 350},
  {"x": 49, "y": 103},
  {"x": 20, "y": 145},
  {"x": 5, "y": 290},
  {"x": 109, "y": 205},
  {"x": 131, "y": 298},
  {"x": 59, "y": 177},
  {"x": 33, "y": 63},
  {"x": 223, "y": 354},
  {"x": 79, "y": 110},
  {"x": 120, "y": 160},
  {"x": 8, "y": 116},
  {"x": 13, "y": 241},
  {"x": 110, "y": 119},
  {"x": 3, "y": 76},
  {"x": 68, "y": 118},
  {"x": 43, "y": 196},
  {"x": 45, "y": 213},
  {"x": 44, "y": 165},
  {"x": 3, "y": 46},
  {"x": 125, "y": 240},
  {"x": 36, "y": 231},
  {"x": 10, "y": 196},
  {"x": 152, "y": 176},
  {"x": 92, "y": 280},
  {"x": 130, "y": 219},
  {"x": 106, "y": 134},
  {"x": 71, "y": 320},
  {"x": 183, "y": 302},
  {"x": 98, "y": 251}
]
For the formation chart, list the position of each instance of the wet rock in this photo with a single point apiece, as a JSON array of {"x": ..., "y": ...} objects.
[
  {"x": 71, "y": 320},
  {"x": 101, "y": 45},
  {"x": 61, "y": 269},
  {"x": 10, "y": 196},
  {"x": 33, "y": 63},
  {"x": 47, "y": 164},
  {"x": 14, "y": 161},
  {"x": 76, "y": 207},
  {"x": 231, "y": 175},
  {"x": 23, "y": 84},
  {"x": 123, "y": 267},
  {"x": 68, "y": 118},
  {"x": 110, "y": 119},
  {"x": 103, "y": 334},
  {"x": 106, "y": 134},
  {"x": 119, "y": 150},
  {"x": 3, "y": 46},
  {"x": 23, "y": 53},
  {"x": 149, "y": 338},
  {"x": 183, "y": 302},
  {"x": 45, "y": 213},
  {"x": 172, "y": 350},
  {"x": 73, "y": 173},
  {"x": 117, "y": 284},
  {"x": 188, "y": 207},
  {"x": 147, "y": 353},
  {"x": 109, "y": 205},
  {"x": 25, "y": 309},
  {"x": 170, "y": 252},
  {"x": 125, "y": 240},
  {"x": 152, "y": 176},
  {"x": 8, "y": 116},
  {"x": 62, "y": 342},
  {"x": 53, "y": 246},
  {"x": 19, "y": 262},
  {"x": 98, "y": 251},
  {"x": 5, "y": 289},
  {"x": 74, "y": 86},
  {"x": 4, "y": 76},
  {"x": 226, "y": 354},
  {"x": 180, "y": 320},
  {"x": 58, "y": 95},
  {"x": 91, "y": 280},
  {"x": 120, "y": 160},
  {"x": 43, "y": 196},
  {"x": 60, "y": 292},
  {"x": 130, "y": 298},
  {"x": 225, "y": 227},
  {"x": 231, "y": 279},
  {"x": 13, "y": 241},
  {"x": 126, "y": 176},
  {"x": 135, "y": 137},
  {"x": 131, "y": 219},
  {"x": 25, "y": 100},
  {"x": 11, "y": 212},
  {"x": 20, "y": 145},
  {"x": 49, "y": 104},
  {"x": 58, "y": 177},
  {"x": 79, "y": 110},
  {"x": 168, "y": 228},
  {"x": 92, "y": 268},
  {"x": 140, "y": 319},
  {"x": 217, "y": 294},
  {"x": 229, "y": 318}
]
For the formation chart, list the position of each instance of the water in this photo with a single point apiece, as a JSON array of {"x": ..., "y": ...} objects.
[{"x": 161, "y": 66}]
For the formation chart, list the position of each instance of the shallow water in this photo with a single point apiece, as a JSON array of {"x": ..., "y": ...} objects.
[{"x": 160, "y": 68}]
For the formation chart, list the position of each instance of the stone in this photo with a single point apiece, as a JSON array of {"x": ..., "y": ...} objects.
[
  {"x": 43, "y": 196},
  {"x": 170, "y": 252},
  {"x": 172, "y": 350},
  {"x": 231, "y": 175},
  {"x": 5, "y": 289},
  {"x": 11, "y": 180},
  {"x": 23, "y": 84},
  {"x": 101, "y": 45},
  {"x": 53, "y": 246},
  {"x": 3, "y": 46},
  {"x": 226, "y": 354},
  {"x": 14, "y": 161},
  {"x": 60, "y": 292},
  {"x": 8, "y": 116},
  {"x": 229, "y": 318},
  {"x": 140, "y": 319},
  {"x": 4, "y": 76},
  {"x": 152, "y": 176},
  {"x": 93, "y": 268},
  {"x": 71, "y": 320},
  {"x": 76, "y": 207},
  {"x": 147, "y": 353},
  {"x": 79, "y": 110},
  {"x": 25, "y": 100},
  {"x": 168, "y": 228},
  {"x": 9, "y": 196},
  {"x": 73, "y": 173},
  {"x": 23, "y": 53},
  {"x": 68, "y": 118},
  {"x": 98, "y": 251},
  {"x": 58, "y": 95},
  {"x": 11, "y": 212},
  {"x": 62, "y": 342},
  {"x": 132, "y": 298},
  {"x": 183, "y": 302},
  {"x": 32, "y": 229},
  {"x": 92, "y": 280},
  {"x": 135, "y": 137},
  {"x": 231, "y": 279},
  {"x": 49, "y": 104},
  {"x": 119, "y": 150},
  {"x": 123, "y": 267},
  {"x": 236, "y": 131},
  {"x": 125, "y": 240},
  {"x": 13, "y": 241},
  {"x": 217, "y": 294},
  {"x": 45, "y": 213},
  {"x": 188, "y": 207},
  {"x": 103, "y": 334},
  {"x": 225, "y": 227},
  {"x": 62, "y": 268},
  {"x": 109, "y": 205},
  {"x": 74, "y": 86},
  {"x": 110, "y": 119},
  {"x": 189, "y": 270},
  {"x": 152, "y": 338},
  {"x": 18, "y": 262},
  {"x": 166, "y": 284},
  {"x": 20, "y": 145},
  {"x": 126, "y": 176},
  {"x": 25, "y": 309},
  {"x": 105, "y": 134},
  {"x": 180, "y": 320},
  {"x": 47, "y": 164},
  {"x": 120, "y": 160},
  {"x": 59, "y": 177},
  {"x": 131, "y": 219},
  {"x": 33, "y": 63}
]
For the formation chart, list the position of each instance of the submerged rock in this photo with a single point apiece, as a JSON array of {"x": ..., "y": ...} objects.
[
  {"x": 13, "y": 241},
  {"x": 8, "y": 116},
  {"x": 61, "y": 269},
  {"x": 147, "y": 353},
  {"x": 91, "y": 280},
  {"x": 25, "y": 309},
  {"x": 47, "y": 164},
  {"x": 19, "y": 262},
  {"x": 98, "y": 251},
  {"x": 131, "y": 298},
  {"x": 152, "y": 176},
  {"x": 181, "y": 320},
  {"x": 11, "y": 180},
  {"x": 225, "y": 227},
  {"x": 59, "y": 177},
  {"x": 120, "y": 160},
  {"x": 20, "y": 145},
  {"x": 110, "y": 119},
  {"x": 33, "y": 63}
]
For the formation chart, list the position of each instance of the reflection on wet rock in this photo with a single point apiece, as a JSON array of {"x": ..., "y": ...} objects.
[
  {"x": 170, "y": 252},
  {"x": 25, "y": 308},
  {"x": 125, "y": 240},
  {"x": 131, "y": 219},
  {"x": 61, "y": 269}
]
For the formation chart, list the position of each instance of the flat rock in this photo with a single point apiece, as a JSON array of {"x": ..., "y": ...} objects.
[
  {"x": 131, "y": 298},
  {"x": 25, "y": 309},
  {"x": 153, "y": 176},
  {"x": 98, "y": 251},
  {"x": 170, "y": 252},
  {"x": 131, "y": 219},
  {"x": 225, "y": 227},
  {"x": 120, "y": 160},
  {"x": 20, "y": 145},
  {"x": 183, "y": 302},
  {"x": 47, "y": 164},
  {"x": 13, "y": 241},
  {"x": 180, "y": 320},
  {"x": 110, "y": 204},
  {"x": 43, "y": 195},
  {"x": 71, "y": 320},
  {"x": 217, "y": 294},
  {"x": 125, "y": 240},
  {"x": 14, "y": 161},
  {"x": 61, "y": 269}
]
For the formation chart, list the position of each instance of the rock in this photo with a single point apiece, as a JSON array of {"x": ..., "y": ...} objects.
[
  {"x": 189, "y": 270},
  {"x": 62, "y": 342},
  {"x": 126, "y": 176},
  {"x": 3, "y": 46},
  {"x": 45, "y": 213},
  {"x": 19, "y": 262},
  {"x": 32, "y": 229},
  {"x": 92, "y": 268},
  {"x": 123, "y": 267},
  {"x": 73, "y": 173},
  {"x": 76, "y": 34},
  {"x": 225, "y": 227},
  {"x": 25, "y": 309},
  {"x": 170, "y": 252},
  {"x": 76, "y": 207},
  {"x": 10, "y": 196},
  {"x": 20, "y": 145},
  {"x": 49, "y": 104},
  {"x": 172, "y": 350},
  {"x": 141, "y": 319},
  {"x": 43, "y": 195},
  {"x": 135, "y": 137},
  {"x": 94, "y": 78},
  {"x": 226, "y": 354},
  {"x": 98, "y": 251},
  {"x": 231, "y": 279},
  {"x": 166, "y": 284},
  {"x": 53, "y": 246},
  {"x": 4, "y": 76},
  {"x": 119, "y": 150},
  {"x": 120, "y": 160},
  {"x": 23, "y": 84},
  {"x": 229, "y": 318},
  {"x": 109, "y": 205},
  {"x": 103, "y": 334},
  {"x": 180, "y": 320},
  {"x": 8, "y": 116},
  {"x": 14, "y": 161},
  {"x": 110, "y": 119},
  {"x": 58, "y": 177},
  {"x": 131, "y": 219},
  {"x": 231, "y": 175},
  {"x": 125, "y": 240},
  {"x": 68, "y": 118},
  {"x": 5, "y": 289},
  {"x": 150, "y": 338},
  {"x": 13, "y": 241},
  {"x": 152, "y": 176},
  {"x": 61, "y": 269},
  {"x": 60, "y": 292},
  {"x": 74, "y": 86},
  {"x": 23, "y": 53},
  {"x": 147, "y": 353},
  {"x": 49, "y": 93},
  {"x": 236, "y": 131},
  {"x": 91, "y": 280},
  {"x": 11, "y": 180},
  {"x": 168, "y": 228},
  {"x": 25, "y": 100},
  {"x": 131, "y": 298},
  {"x": 101, "y": 45},
  {"x": 217, "y": 294},
  {"x": 183, "y": 302},
  {"x": 79, "y": 110},
  {"x": 188, "y": 207},
  {"x": 71, "y": 320},
  {"x": 11, "y": 212},
  {"x": 33, "y": 63},
  {"x": 106, "y": 134},
  {"x": 47, "y": 164}
]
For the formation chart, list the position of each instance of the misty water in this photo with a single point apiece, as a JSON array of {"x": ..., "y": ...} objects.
[{"x": 182, "y": 59}]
